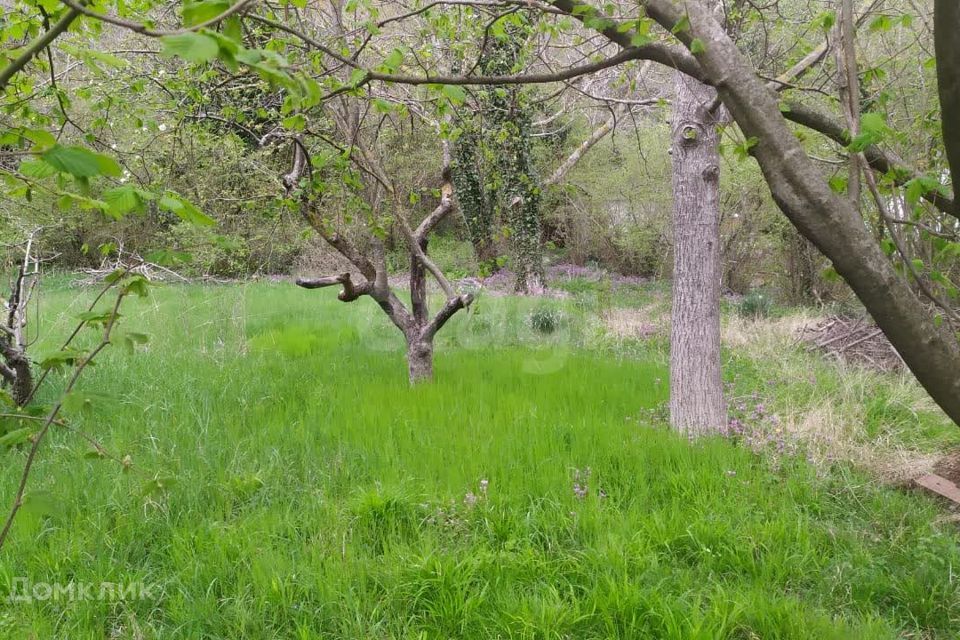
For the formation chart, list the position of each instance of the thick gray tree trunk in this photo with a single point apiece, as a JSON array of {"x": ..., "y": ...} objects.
[
  {"x": 696, "y": 389},
  {"x": 420, "y": 361}
]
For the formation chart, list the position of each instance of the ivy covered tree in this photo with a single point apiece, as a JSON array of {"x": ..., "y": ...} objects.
[
  {"x": 494, "y": 174},
  {"x": 473, "y": 197}
]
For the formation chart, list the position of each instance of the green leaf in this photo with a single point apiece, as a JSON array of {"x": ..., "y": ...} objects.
[
  {"x": 15, "y": 437},
  {"x": 129, "y": 340},
  {"x": 830, "y": 275},
  {"x": 873, "y": 123},
  {"x": 888, "y": 246},
  {"x": 122, "y": 200},
  {"x": 249, "y": 57},
  {"x": 84, "y": 402},
  {"x": 881, "y": 23},
  {"x": 94, "y": 453},
  {"x": 357, "y": 76},
  {"x": 157, "y": 485},
  {"x": 696, "y": 46},
  {"x": 682, "y": 25},
  {"x": 838, "y": 184},
  {"x": 939, "y": 278},
  {"x": 41, "y": 503},
  {"x": 185, "y": 210},
  {"x": 915, "y": 188},
  {"x": 80, "y": 162},
  {"x": 100, "y": 318},
  {"x": 742, "y": 151},
  {"x": 295, "y": 122},
  {"x": 94, "y": 58},
  {"x": 233, "y": 29},
  {"x": 40, "y": 137},
  {"x": 36, "y": 168},
  {"x": 59, "y": 359},
  {"x": 106, "y": 58},
  {"x": 873, "y": 129},
  {"x": 454, "y": 93},
  {"x": 393, "y": 61},
  {"x": 135, "y": 284},
  {"x": 826, "y": 20},
  {"x": 382, "y": 106},
  {"x": 167, "y": 257},
  {"x": 114, "y": 276},
  {"x": 199, "y": 12},
  {"x": 192, "y": 47}
]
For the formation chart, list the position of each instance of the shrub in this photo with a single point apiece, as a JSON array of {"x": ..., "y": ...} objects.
[
  {"x": 756, "y": 304},
  {"x": 546, "y": 320}
]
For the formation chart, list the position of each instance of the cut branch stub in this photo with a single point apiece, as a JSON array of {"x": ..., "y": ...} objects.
[{"x": 350, "y": 291}]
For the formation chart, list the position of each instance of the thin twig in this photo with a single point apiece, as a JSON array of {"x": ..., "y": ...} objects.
[{"x": 52, "y": 417}]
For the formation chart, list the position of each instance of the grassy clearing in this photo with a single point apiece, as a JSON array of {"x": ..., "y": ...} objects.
[{"x": 529, "y": 493}]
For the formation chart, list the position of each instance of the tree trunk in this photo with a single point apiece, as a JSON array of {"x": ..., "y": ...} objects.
[
  {"x": 946, "y": 19},
  {"x": 530, "y": 284},
  {"x": 931, "y": 351},
  {"x": 487, "y": 255},
  {"x": 419, "y": 351},
  {"x": 15, "y": 369},
  {"x": 696, "y": 388},
  {"x": 849, "y": 86},
  {"x": 418, "y": 288},
  {"x": 23, "y": 385},
  {"x": 420, "y": 361}
]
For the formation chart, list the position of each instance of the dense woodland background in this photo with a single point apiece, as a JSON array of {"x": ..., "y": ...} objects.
[{"x": 203, "y": 139}]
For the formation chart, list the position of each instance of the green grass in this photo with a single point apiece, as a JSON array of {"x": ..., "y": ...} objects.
[{"x": 317, "y": 496}]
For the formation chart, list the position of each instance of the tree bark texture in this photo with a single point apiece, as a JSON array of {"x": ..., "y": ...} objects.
[
  {"x": 420, "y": 361},
  {"x": 696, "y": 389},
  {"x": 849, "y": 86},
  {"x": 946, "y": 26}
]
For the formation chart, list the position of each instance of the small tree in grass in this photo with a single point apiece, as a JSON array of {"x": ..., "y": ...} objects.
[{"x": 418, "y": 326}]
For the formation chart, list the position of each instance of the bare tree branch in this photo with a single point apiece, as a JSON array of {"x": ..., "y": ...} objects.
[
  {"x": 350, "y": 291},
  {"x": 37, "y": 46},
  {"x": 451, "y": 307}
]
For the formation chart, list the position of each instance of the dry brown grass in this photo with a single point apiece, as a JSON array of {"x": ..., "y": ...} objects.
[
  {"x": 830, "y": 424},
  {"x": 831, "y": 435},
  {"x": 644, "y": 322},
  {"x": 761, "y": 336}
]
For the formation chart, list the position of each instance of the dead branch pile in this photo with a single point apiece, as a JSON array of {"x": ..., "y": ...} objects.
[
  {"x": 855, "y": 340},
  {"x": 152, "y": 272}
]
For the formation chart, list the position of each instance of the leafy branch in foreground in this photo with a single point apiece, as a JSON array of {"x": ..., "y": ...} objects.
[{"x": 133, "y": 284}]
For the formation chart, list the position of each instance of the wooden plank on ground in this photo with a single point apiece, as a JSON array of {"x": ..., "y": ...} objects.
[{"x": 940, "y": 486}]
